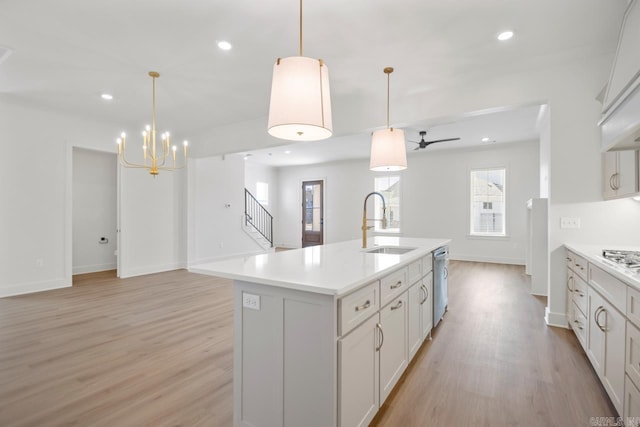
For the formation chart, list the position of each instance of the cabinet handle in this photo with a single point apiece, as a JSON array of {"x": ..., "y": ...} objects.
[
  {"x": 579, "y": 326},
  {"x": 364, "y": 306},
  {"x": 397, "y": 285},
  {"x": 446, "y": 272},
  {"x": 426, "y": 294},
  {"x": 616, "y": 180},
  {"x": 569, "y": 259},
  {"x": 580, "y": 294},
  {"x": 611, "y": 183},
  {"x": 569, "y": 280},
  {"x": 596, "y": 316},
  {"x": 379, "y": 327},
  {"x": 397, "y": 306}
]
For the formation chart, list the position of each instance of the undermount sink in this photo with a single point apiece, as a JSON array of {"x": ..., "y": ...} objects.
[{"x": 391, "y": 250}]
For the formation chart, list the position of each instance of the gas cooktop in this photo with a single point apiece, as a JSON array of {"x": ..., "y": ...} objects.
[{"x": 629, "y": 260}]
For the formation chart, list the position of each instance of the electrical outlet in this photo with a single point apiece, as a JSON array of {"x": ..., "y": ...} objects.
[
  {"x": 251, "y": 301},
  {"x": 566, "y": 222}
]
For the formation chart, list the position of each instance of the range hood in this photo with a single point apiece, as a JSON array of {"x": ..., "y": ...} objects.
[{"x": 620, "y": 123}]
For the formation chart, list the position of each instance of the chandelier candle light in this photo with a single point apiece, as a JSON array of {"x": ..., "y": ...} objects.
[
  {"x": 388, "y": 150},
  {"x": 300, "y": 107},
  {"x": 153, "y": 160}
]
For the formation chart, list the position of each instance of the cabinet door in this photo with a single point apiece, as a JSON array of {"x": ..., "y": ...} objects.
[
  {"x": 609, "y": 170},
  {"x": 625, "y": 181},
  {"x": 595, "y": 341},
  {"x": 427, "y": 306},
  {"x": 631, "y": 404},
  {"x": 393, "y": 352},
  {"x": 414, "y": 324},
  {"x": 614, "y": 325},
  {"x": 358, "y": 371}
]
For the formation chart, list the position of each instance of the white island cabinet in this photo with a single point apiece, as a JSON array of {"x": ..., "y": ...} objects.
[{"x": 321, "y": 334}]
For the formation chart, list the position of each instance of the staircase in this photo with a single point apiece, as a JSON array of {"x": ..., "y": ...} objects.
[{"x": 257, "y": 221}]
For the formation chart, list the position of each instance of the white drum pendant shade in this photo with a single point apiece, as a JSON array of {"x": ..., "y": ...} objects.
[
  {"x": 388, "y": 151},
  {"x": 300, "y": 108}
]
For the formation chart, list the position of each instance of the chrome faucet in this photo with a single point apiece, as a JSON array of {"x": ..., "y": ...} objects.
[{"x": 364, "y": 217}]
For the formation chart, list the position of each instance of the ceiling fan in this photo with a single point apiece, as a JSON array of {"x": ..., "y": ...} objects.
[{"x": 425, "y": 144}]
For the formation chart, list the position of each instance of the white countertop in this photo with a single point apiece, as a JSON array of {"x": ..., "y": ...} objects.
[
  {"x": 593, "y": 254},
  {"x": 333, "y": 269}
]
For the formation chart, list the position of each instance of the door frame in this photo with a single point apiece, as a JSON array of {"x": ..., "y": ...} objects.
[
  {"x": 68, "y": 215},
  {"x": 324, "y": 205}
]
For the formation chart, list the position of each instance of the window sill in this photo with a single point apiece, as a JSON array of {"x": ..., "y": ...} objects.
[{"x": 487, "y": 237}]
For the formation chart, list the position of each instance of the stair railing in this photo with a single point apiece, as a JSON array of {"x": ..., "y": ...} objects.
[{"x": 258, "y": 216}]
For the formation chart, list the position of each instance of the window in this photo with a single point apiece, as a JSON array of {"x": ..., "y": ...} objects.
[
  {"x": 389, "y": 187},
  {"x": 488, "y": 213},
  {"x": 262, "y": 193}
]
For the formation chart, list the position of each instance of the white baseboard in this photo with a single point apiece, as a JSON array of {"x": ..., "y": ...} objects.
[
  {"x": 287, "y": 246},
  {"x": 227, "y": 256},
  {"x": 559, "y": 320},
  {"x": 82, "y": 269},
  {"x": 493, "y": 260},
  {"x": 150, "y": 269},
  {"x": 31, "y": 287}
]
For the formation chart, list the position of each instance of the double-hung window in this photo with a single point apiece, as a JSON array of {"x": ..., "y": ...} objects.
[{"x": 488, "y": 202}]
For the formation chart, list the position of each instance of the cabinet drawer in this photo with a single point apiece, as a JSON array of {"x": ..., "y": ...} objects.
[
  {"x": 414, "y": 272},
  {"x": 570, "y": 259},
  {"x": 580, "y": 294},
  {"x": 612, "y": 289},
  {"x": 427, "y": 264},
  {"x": 580, "y": 325},
  {"x": 633, "y": 306},
  {"x": 579, "y": 265},
  {"x": 355, "y": 308},
  {"x": 632, "y": 359},
  {"x": 392, "y": 286}
]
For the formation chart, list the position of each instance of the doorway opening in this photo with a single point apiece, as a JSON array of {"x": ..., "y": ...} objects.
[
  {"x": 94, "y": 240},
  {"x": 312, "y": 213}
]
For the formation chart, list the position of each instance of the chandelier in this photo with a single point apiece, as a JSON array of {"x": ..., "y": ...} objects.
[
  {"x": 300, "y": 106},
  {"x": 388, "y": 150},
  {"x": 154, "y": 158}
]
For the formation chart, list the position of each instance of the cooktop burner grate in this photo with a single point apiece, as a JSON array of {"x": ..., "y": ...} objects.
[{"x": 626, "y": 259}]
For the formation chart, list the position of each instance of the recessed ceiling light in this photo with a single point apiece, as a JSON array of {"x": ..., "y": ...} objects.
[
  {"x": 246, "y": 156},
  {"x": 287, "y": 152},
  {"x": 224, "y": 45},
  {"x": 107, "y": 96},
  {"x": 505, "y": 35},
  {"x": 485, "y": 139}
]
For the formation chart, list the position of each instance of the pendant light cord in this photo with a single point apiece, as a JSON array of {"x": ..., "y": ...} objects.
[
  {"x": 300, "y": 27},
  {"x": 388, "y": 100}
]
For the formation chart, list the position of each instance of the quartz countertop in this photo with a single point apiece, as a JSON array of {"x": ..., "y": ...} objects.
[
  {"x": 332, "y": 269},
  {"x": 593, "y": 254}
]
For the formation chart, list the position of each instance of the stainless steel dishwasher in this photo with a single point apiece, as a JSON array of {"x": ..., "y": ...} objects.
[{"x": 440, "y": 274}]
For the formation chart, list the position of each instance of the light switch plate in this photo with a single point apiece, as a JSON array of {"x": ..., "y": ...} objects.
[
  {"x": 566, "y": 222},
  {"x": 251, "y": 301}
]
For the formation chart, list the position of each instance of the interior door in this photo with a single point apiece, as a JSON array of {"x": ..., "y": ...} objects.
[{"x": 312, "y": 213}]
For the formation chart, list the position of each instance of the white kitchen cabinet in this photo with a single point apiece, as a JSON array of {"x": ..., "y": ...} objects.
[
  {"x": 426, "y": 313},
  {"x": 619, "y": 173},
  {"x": 605, "y": 346},
  {"x": 569, "y": 300},
  {"x": 632, "y": 351},
  {"x": 420, "y": 313},
  {"x": 631, "y": 404},
  {"x": 359, "y": 382},
  {"x": 394, "y": 356}
]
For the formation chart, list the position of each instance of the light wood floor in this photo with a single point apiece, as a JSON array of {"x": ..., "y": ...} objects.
[{"x": 157, "y": 350}]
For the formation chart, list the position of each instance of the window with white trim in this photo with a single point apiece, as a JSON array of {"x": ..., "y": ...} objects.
[
  {"x": 389, "y": 187},
  {"x": 488, "y": 202}
]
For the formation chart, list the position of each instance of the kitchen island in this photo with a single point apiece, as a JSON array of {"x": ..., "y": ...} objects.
[{"x": 322, "y": 334}]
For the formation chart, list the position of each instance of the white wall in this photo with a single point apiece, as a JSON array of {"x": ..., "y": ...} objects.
[
  {"x": 36, "y": 188},
  {"x": 215, "y": 230},
  {"x": 94, "y": 210},
  {"x": 435, "y": 199},
  {"x": 253, "y": 173}
]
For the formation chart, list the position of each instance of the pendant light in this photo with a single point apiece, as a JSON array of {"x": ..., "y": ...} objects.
[
  {"x": 388, "y": 150},
  {"x": 300, "y": 108}
]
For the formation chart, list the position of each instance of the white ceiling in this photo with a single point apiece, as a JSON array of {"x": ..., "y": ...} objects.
[{"x": 67, "y": 52}]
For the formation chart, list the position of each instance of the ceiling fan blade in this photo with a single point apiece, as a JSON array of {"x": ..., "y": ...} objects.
[
  {"x": 415, "y": 142},
  {"x": 416, "y": 149},
  {"x": 442, "y": 140}
]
